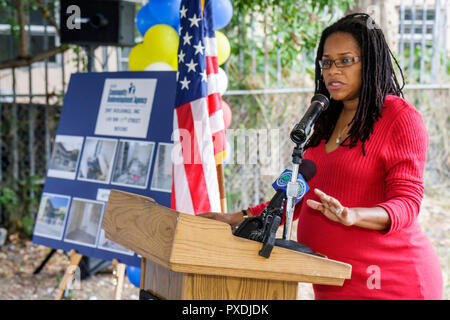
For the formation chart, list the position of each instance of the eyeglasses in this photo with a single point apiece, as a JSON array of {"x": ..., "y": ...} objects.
[{"x": 339, "y": 63}]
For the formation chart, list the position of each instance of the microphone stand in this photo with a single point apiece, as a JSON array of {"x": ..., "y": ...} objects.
[
  {"x": 263, "y": 228},
  {"x": 292, "y": 191}
]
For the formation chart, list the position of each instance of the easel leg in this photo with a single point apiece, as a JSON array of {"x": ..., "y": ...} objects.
[
  {"x": 119, "y": 274},
  {"x": 75, "y": 259},
  {"x": 38, "y": 269}
]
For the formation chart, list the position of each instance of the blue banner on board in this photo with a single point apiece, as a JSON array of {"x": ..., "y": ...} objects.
[{"x": 114, "y": 133}]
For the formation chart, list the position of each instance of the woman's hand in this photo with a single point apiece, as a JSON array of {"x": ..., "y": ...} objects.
[
  {"x": 332, "y": 209},
  {"x": 233, "y": 219}
]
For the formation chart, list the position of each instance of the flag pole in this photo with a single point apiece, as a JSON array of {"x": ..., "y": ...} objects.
[{"x": 221, "y": 180}]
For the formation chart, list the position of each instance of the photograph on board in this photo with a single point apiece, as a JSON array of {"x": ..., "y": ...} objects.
[
  {"x": 107, "y": 244},
  {"x": 84, "y": 222},
  {"x": 162, "y": 174},
  {"x": 65, "y": 157},
  {"x": 97, "y": 160},
  {"x": 133, "y": 162},
  {"x": 51, "y": 216}
]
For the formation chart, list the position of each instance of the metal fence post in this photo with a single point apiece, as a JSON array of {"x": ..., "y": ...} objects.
[
  {"x": 423, "y": 51},
  {"x": 435, "y": 57},
  {"x": 411, "y": 41}
]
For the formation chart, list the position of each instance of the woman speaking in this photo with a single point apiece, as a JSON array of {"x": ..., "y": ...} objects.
[{"x": 369, "y": 147}]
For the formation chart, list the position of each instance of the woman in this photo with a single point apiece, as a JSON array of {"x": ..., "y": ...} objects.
[{"x": 369, "y": 147}]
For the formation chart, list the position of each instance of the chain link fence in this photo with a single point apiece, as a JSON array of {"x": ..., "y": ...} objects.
[
  {"x": 261, "y": 147},
  {"x": 26, "y": 136}
]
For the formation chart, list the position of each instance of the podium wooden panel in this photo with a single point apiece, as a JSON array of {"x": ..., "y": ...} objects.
[{"x": 189, "y": 257}]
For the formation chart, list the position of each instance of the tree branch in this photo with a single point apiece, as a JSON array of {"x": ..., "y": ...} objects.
[
  {"x": 26, "y": 61},
  {"x": 23, "y": 43},
  {"x": 46, "y": 15}
]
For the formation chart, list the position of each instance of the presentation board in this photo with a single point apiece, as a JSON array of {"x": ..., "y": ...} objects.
[{"x": 114, "y": 132}]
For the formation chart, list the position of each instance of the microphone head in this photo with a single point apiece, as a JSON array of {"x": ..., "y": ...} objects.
[
  {"x": 307, "y": 169},
  {"x": 322, "y": 100}
]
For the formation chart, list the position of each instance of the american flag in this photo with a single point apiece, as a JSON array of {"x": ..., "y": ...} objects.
[{"x": 199, "y": 129}]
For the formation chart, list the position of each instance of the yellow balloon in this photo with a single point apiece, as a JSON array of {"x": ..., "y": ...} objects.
[
  {"x": 161, "y": 43},
  {"x": 223, "y": 48},
  {"x": 139, "y": 58}
]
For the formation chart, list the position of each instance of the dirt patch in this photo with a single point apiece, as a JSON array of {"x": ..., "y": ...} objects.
[{"x": 19, "y": 259}]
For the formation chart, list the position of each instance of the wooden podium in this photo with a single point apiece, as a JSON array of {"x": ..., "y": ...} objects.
[{"x": 189, "y": 257}]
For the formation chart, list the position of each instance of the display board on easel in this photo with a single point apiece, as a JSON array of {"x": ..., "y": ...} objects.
[{"x": 114, "y": 132}]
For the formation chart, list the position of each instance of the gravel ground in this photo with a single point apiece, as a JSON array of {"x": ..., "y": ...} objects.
[{"x": 19, "y": 258}]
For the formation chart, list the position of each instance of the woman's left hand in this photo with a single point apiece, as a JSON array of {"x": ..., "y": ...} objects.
[{"x": 332, "y": 209}]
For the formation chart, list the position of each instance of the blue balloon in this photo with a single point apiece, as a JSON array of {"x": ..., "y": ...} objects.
[
  {"x": 144, "y": 20},
  {"x": 223, "y": 12},
  {"x": 134, "y": 275},
  {"x": 166, "y": 12}
]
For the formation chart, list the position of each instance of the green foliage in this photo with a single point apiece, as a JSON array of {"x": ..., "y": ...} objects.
[
  {"x": 8, "y": 15},
  {"x": 262, "y": 31},
  {"x": 8, "y": 200},
  {"x": 18, "y": 207}
]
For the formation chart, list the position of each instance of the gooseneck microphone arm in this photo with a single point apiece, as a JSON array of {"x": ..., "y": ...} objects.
[{"x": 299, "y": 135}]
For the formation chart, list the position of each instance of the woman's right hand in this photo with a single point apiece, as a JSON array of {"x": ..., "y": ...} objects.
[{"x": 233, "y": 219}]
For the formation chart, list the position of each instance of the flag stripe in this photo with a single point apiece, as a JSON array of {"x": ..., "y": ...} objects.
[
  {"x": 212, "y": 66},
  {"x": 214, "y": 103},
  {"x": 216, "y": 122},
  {"x": 206, "y": 149},
  {"x": 181, "y": 195},
  {"x": 210, "y": 46},
  {"x": 195, "y": 176}
]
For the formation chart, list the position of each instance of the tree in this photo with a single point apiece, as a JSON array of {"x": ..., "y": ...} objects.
[
  {"x": 18, "y": 9},
  {"x": 261, "y": 29}
]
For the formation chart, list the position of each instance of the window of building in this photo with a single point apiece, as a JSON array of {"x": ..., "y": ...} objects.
[{"x": 414, "y": 26}]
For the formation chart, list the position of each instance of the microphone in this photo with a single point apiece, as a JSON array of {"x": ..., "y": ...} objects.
[
  {"x": 263, "y": 228},
  {"x": 307, "y": 171},
  {"x": 302, "y": 129},
  {"x": 273, "y": 213}
]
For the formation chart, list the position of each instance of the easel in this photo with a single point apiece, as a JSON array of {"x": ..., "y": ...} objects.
[
  {"x": 119, "y": 276},
  {"x": 75, "y": 258}
]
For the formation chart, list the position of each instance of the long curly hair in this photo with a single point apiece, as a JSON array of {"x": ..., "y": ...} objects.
[{"x": 378, "y": 80}]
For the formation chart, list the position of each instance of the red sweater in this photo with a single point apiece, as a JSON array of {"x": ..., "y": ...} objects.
[{"x": 399, "y": 263}]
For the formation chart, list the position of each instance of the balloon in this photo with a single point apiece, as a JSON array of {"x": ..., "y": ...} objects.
[
  {"x": 223, "y": 12},
  {"x": 226, "y": 114},
  {"x": 159, "y": 66},
  {"x": 165, "y": 12},
  {"x": 144, "y": 20},
  {"x": 223, "y": 48},
  {"x": 222, "y": 81},
  {"x": 134, "y": 275},
  {"x": 161, "y": 43},
  {"x": 138, "y": 59}
]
